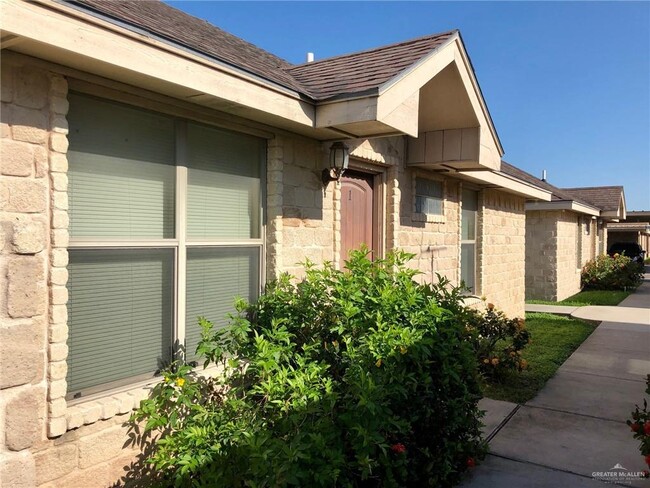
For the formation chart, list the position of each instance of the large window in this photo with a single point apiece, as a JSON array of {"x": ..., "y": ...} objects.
[
  {"x": 468, "y": 239},
  {"x": 165, "y": 226}
]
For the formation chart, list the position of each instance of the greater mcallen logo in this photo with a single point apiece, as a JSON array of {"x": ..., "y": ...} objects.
[{"x": 617, "y": 474}]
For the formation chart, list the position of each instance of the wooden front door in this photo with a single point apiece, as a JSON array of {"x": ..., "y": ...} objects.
[{"x": 357, "y": 204}]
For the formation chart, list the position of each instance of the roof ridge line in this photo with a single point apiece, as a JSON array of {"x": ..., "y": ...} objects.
[{"x": 373, "y": 49}]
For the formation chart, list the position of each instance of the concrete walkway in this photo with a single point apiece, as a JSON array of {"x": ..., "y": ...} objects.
[{"x": 576, "y": 424}]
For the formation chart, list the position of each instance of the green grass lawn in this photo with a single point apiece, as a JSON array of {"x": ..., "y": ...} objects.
[
  {"x": 554, "y": 338},
  {"x": 591, "y": 297}
]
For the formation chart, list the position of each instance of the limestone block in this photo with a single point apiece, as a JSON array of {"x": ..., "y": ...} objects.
[
  {"x": 26, "y": 294},
  {"x": 92, "y": 412},
  {"x": 17, "y": 469},
  {"x": 60, "y": 238},
  {"x": 60, "y": 200},
  {"x": 59, "y": 105},
  {"x": 59, "y": 257},
  {"x": 40, "y": 161},
  {"x": 125, "y": 402},
  {"x": 24, "y": 195},
  {"x": 57, "y": 408},
  {"x": 54, "y": 462},
  {"x": 58, "y": 295},
  {"x": 56, "y": 426},
  {"x": 28, "y": 125},
  {"x": 75, "y": 417},
  {"x": 60, "y": 181},
  {"x": 59, "y": 330},
  {"x": 24, "y": 418},
  {"x": 58, "y": 85},
  {"x": 110, "y": 407},
  {"x": 94, "y": 477},
  {"x": 31, "y": 88},
  {"x": 58, "y": 142},
  {"x": 28, "y": 236},
  {"x": 102, "y": 446},
  {"x": 58, "y": 276},
  {"x": 58, "y": 370},
  {"x": 58, "y": 163},
  {"x": 59, "y": 124},
  {"x": 20, "y": 345},
  {"x": 17, "y": 158},
  {"x": 58, "y": 389}
]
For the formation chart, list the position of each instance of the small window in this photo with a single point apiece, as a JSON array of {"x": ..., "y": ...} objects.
[
  {"x": 429, "y": 195},
  {"x": 587, "y": 227}
]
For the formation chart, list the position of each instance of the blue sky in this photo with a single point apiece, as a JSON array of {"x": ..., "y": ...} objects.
[{"x": 567, "y": 83}]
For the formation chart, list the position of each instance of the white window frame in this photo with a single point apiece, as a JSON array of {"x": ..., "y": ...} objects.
[
  {"x": 423, "y": 216},
  {"x": 180, "y": 243}
]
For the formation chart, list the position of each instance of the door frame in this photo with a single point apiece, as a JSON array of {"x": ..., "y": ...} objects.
[{"x": 377, "y": 175}]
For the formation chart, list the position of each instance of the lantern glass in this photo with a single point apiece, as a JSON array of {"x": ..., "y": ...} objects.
[{"x": 339, "y": 157}]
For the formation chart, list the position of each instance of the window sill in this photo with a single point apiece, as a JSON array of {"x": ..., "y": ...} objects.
[
  {"x": 108, "y": 404},
  {"x": 420, "y": 217}
]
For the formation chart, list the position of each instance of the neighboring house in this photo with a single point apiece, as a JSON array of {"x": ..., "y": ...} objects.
[
  {"x": 636, "y": 228},
  {"x": 154, "y": 167},
  {"x": 565, "y": 233}
]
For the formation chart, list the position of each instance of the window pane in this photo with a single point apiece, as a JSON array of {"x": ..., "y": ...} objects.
[
  {"x": 215, "y": 277},
  {"x": 223, "y": 196},
  {"x": 428, "y": 196},
  {"x": 121, "y": 171},
  {"x": 119, "y": 314},
  {"x": 468, "y": 215},
  {"x": 467, "y": 265}
]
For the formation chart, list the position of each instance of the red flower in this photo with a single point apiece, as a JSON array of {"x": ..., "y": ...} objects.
[
  {"x": 635, "y": 427},
  {"x": 398, "y": 448},
  {"x": 646, "y": 473},
  {"x": 470, "y": 462},
  {"x": 646, "y": 428}
]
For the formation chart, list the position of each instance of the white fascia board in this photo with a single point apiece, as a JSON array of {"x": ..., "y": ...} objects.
[
  {"x": 564, "y": 205},
  {"x": 513, "y": 185},
  {"x": 59, "y": 33}
]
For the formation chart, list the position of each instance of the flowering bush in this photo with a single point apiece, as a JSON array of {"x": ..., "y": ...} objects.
[
  {"x": 357, "y": 378},
  {"x": 497, "y": 340},
  {"x": 611, "y": 273},
  {"x": 640, "y": 426}
]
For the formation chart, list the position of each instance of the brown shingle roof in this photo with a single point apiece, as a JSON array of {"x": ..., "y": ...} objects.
[
  {"x": 365, "y": 70},
  {"x": 346, "y": 74},
  {"x": 607, "y": 198},
  {"x": 163, "y": 21},
  {"x": 558, "y": 194}
]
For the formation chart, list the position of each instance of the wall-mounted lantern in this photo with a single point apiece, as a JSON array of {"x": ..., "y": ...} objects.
[{"x": 339, "y": 159}]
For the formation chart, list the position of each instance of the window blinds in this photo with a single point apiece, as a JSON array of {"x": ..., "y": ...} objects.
[
  {"x": 121, "y": 171},
  {"x": 120, "y": 314}
]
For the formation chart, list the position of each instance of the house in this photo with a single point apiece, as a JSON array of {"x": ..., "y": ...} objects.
[
  {"x": 565, "y": 233},
  {"x": 635, "y": 228},
  {"x": 155, "y": 166}
]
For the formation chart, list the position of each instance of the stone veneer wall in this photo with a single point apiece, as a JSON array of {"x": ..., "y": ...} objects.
[
  {"x": 43, "y": 441},
  {"x": 435, "y": 244},
  {"x": 46, "y": 441},
  {"x": 541, "y": 255},
  {"x": 502, "y": 250}
]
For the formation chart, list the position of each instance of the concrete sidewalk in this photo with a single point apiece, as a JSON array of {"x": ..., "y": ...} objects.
[{"x": 576, "y": 424}]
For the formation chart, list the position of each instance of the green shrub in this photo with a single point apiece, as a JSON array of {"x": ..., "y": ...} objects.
[
  {"x": 357, "y": 378},
  {"x": 497, "y": 340},
  {"x": 611, "y": 273}
]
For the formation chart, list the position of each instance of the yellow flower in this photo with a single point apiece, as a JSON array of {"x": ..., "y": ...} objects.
[
  {"x": 180, "y": 382},
  {"x": 524, "y": 364},
  {"x": 378, "y": 363},
  {"x": 495, "y": 361},
  {"x": 167, "y": 379},
  {"x": 402, "y": 349},
  {"x": 486, "y": 361}
]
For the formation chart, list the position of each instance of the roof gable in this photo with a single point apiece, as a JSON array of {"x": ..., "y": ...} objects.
[
  {"x": 607, "y": 198},
  {"x": 366, "y": 70}
]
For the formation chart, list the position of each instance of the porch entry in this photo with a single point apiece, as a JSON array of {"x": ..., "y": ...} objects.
[
  {"x": 468, "y": 239},
  {"x": 357, "y": 213}
]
